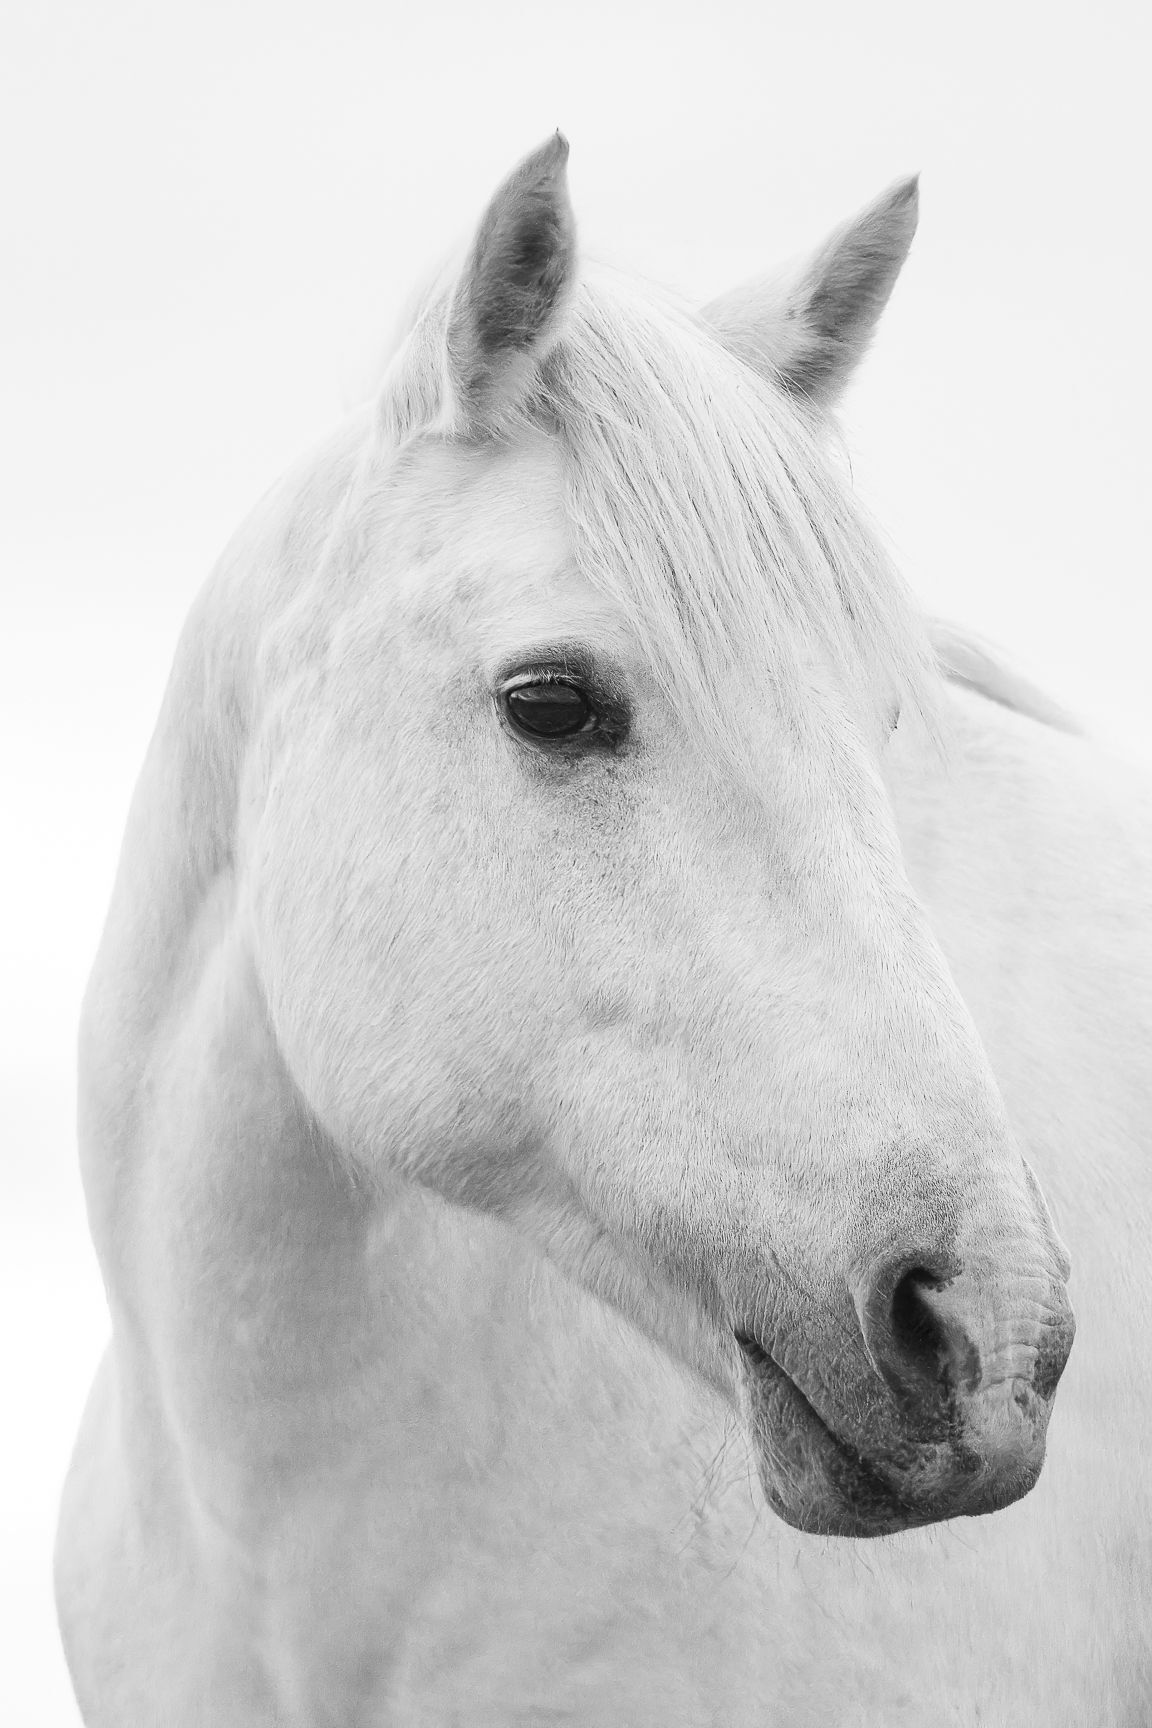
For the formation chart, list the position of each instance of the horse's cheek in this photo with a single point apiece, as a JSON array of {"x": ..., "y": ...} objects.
[{"x": 392, "y": 994}]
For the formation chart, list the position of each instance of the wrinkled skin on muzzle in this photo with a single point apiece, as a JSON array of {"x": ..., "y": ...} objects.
[{"x": 931, "y": 1396}]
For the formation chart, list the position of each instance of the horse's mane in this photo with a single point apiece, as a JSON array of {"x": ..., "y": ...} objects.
[
  {"x": 704, "y": 505},
  {"x": 707, "y": 508},
  {"x": 965, "y": 659}
]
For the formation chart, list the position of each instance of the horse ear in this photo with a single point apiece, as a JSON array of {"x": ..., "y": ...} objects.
[
  {"x": 807, "y": 328},
  {"x": 505, "y": 310}
]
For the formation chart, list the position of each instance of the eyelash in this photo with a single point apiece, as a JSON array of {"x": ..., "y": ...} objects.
[
  {"x": 564, "y": 710},
  {"x": 605, "y": 721}
]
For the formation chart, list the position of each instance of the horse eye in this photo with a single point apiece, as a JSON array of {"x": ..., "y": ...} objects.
[{"x": 549, "y": 709}]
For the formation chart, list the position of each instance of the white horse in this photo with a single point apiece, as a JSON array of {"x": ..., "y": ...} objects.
[{"x": 529, "y": 1120}]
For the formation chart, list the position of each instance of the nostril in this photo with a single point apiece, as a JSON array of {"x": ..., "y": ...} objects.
[
  {"x": 919, "y": 1341},
  {"x": 955, "y": 1341}
]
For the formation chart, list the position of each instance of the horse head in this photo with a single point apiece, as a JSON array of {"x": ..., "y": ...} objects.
[{"x": 573, "y": 885}]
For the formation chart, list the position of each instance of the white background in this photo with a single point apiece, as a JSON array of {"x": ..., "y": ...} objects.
[{"x": 212, "y": 216}]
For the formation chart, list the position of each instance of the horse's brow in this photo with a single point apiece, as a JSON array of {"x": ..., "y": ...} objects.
[{"x": 575, "y": 655}]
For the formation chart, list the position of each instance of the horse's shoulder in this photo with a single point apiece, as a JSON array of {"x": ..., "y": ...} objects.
[{"x": 965, "y": 659}]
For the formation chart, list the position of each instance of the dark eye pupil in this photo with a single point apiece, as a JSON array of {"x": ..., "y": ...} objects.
[{"x": 549, "y": 710}]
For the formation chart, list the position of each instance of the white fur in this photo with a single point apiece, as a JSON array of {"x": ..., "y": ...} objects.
[{"x": 444, "y": 1107}]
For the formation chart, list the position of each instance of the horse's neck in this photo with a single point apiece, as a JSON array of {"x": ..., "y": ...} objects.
[{"x": 1031, "y": 852}]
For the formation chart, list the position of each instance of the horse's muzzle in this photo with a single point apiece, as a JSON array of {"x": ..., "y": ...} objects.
[{"x": 968, "y": 1362}]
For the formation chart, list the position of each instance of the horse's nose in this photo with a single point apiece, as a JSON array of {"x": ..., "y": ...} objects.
[
  {"x": 940, "y": 1335},
  {"x": 922, "y": 1355}
]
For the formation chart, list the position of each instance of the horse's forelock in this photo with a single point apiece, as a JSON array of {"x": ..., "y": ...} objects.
[
  {"x": 708, "y": 508},
  {"x": 702, "y": 502}
]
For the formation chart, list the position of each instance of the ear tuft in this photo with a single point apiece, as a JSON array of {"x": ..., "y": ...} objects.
[
  {"x": 808, "y": 328},
  {"x": 506, "y": 307}
]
